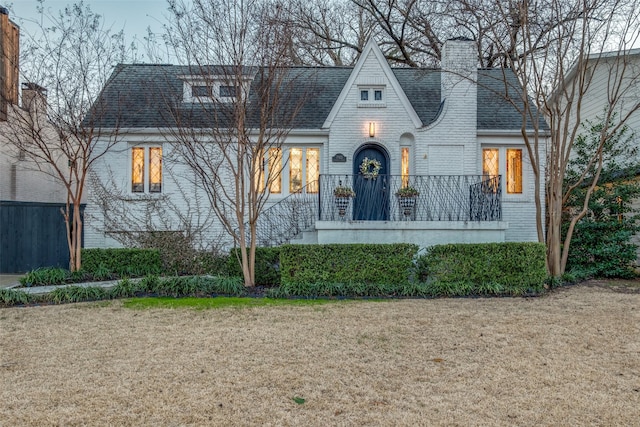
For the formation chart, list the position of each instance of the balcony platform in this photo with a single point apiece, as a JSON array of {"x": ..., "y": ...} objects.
[{"x": 421, "y": 233}]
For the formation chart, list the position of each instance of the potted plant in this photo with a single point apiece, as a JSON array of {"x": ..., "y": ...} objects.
[
  {"x": 407, "y": 196},
  {"x": 343, "y": 195},
  {"x": 344, "y": 191},
  {"x": 407, "y": 191}
]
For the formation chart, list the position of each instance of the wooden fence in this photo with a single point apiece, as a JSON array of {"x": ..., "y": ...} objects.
[{"x": 32, "y": 235}]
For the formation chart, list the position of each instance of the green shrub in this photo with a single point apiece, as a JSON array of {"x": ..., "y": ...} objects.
[
  {"x": 484, "y": 268},
  {"x": 77, "y": 294},
  {"x": 126, "y": 288},
  {"x": 149, "y": 283},
  {"x": 267, "y": 265},
  {"x": 225, "y": 285},
  {"x": 601, "y": 243},
  {"x": 176, "y": 286},
  {"x": 10, "y": 297},
  {"x": 105, "y": 263},
  {"x": 78, "y": 276},
  {"x": 352, "y": 290},
  {"x": 179, "y": 255},
  {"x": 603, "y": 248},
  {"x": 198, "y": 286},
  {"x": 210, "y": 263},
  {"x": 363, "y": 264},
  {"x": 47, "y": 276}
]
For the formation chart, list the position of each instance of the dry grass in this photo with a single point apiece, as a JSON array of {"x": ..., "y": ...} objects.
[{"x": 571, "y": 358}]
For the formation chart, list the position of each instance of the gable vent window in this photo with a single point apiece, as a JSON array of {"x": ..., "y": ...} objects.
[{"x": 371, "y": 97}]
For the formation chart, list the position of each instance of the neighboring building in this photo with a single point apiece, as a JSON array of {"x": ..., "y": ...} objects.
[
  {"x": 447, "y": 132},
  {"x": 616, "y": 76},
  {"x": 32, "y": 229},
  {"x": 20, "y": 179},
  {"x": 617, "y": 72},
  {"x": 9, "y": 56}
]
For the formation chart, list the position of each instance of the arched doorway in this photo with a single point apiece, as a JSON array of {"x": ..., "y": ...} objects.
[{"x": 372, "y": 192}]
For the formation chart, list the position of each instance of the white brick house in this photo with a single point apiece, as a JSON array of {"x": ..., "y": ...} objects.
[{"x": 447, "y": 132}]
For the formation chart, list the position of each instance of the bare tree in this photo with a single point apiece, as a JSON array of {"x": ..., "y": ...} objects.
[
  {"x": 65, "y": 64},
  {"x": 238, "y": 112},
  {"x": 555, "y": 49},
  {"x": 326, "y": 32}
]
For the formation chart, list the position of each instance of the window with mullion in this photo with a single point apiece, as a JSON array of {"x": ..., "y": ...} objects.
[
  {"x": 137, "y": 170},
  {"x": 155, "y": 170},
  {"x": 313, "y": 169},
  {"x": 514, "y": 171}
]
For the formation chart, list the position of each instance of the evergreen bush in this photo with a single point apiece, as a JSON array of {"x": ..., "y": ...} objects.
[{"x": 364, "y": 264}]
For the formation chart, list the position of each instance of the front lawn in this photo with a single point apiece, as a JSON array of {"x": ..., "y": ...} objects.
[{"x": 571, "y": 357}]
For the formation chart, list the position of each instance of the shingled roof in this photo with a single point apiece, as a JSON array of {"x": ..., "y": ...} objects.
[{"x": 150, "y": 96}]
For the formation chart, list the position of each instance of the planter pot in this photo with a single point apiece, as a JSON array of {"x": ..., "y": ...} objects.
[
  {"x": 407, "y": 203},
  {"x": 342, "y": 203}
]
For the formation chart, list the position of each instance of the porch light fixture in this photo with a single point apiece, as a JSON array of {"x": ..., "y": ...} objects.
[{"x": 372, "y": 129}]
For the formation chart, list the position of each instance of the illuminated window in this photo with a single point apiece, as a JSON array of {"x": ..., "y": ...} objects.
[
  {"x": 490, "y": 162},
  {"x": 295, "y": 170},
  {"x": 259, "y": 177},
  {"x": 155, "y": 170},
  {"x": 275, "y": 170},
  {"x": 304, "y": 170},
  {"x": 313, "y": 169},
  {"x": 511, "y": 168},
  {"x": 514, "y": 171},
  {"x": 490, "y": 169},
  {"x": 137, "y": 170},
  {"x": 140, "y": 163},
  {"x": 405, "y": 166}
]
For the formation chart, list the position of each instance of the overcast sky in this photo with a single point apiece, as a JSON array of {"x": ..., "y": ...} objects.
[{"x": 134, "y": 16}]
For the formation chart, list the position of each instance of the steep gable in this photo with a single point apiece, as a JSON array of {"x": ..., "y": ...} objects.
[{"x": 372, "y": 70}]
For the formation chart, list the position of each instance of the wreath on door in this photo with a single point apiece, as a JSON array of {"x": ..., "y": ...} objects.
[{"x": 370, "y": 168}]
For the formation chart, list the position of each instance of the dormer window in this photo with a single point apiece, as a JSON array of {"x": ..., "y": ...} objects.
[
  {"x": 371, "y": 97},
  {"x": 217, "y": 88},
  {"x": 227, "y": 92},
  {"x": 201, "y": 91}
]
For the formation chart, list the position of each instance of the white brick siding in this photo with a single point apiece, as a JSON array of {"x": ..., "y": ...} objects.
[{"x": 449, "y": 146}]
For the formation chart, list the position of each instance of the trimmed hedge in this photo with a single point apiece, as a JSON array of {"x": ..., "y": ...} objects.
[
  {"x": 388, "y": 264},
  {"x": 121, "y": 261},
  {"x": 267, "y": 265},
  {"x": 495, "y": 268}
]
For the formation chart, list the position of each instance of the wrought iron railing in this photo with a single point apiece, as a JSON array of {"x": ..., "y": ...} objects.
[
  {"x": 439, "y": 198},
  {"x": 286, "y": 219}
]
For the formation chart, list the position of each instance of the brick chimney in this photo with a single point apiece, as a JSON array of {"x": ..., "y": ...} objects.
[
  {"x": 459, "y": 91},
  {"x": 459, "y": 78},
  {"x": 9, "y": 59},
  {"x": 34, "y": 96}
]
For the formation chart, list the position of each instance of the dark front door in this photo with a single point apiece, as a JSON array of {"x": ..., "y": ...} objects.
[{"x": 372, "y": 187}]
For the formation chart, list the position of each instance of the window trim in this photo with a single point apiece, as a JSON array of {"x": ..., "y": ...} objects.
[
  {"x": 371, "y": 100},
  {"x": 502, "y": 169},
  {"x": 284, "y": 178},
  {"x": 215, "y": 85},
  {"x": 146, "y": 187}
]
